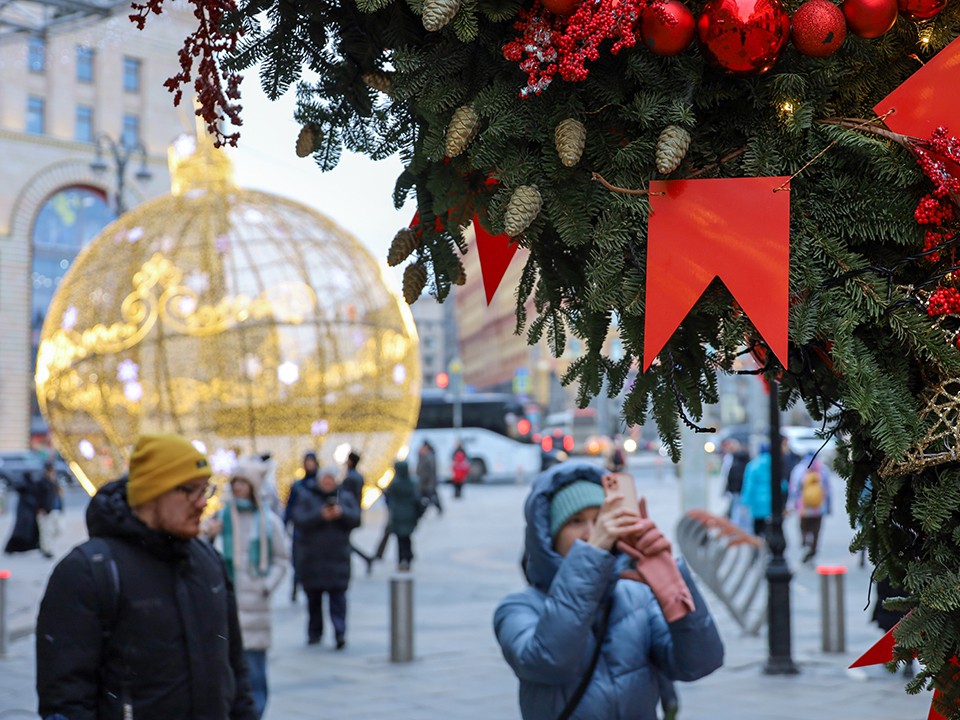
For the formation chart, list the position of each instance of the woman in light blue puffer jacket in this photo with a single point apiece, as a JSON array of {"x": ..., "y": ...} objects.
[{"x": 547, "y": 632}]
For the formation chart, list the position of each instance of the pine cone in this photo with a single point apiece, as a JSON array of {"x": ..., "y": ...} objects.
[
  {"x": 437, "y": 13},
  {"x": 524, "y": 206},
  {"x": 381, "y": 81},
  {"x": 404, "y": 243},
  {"x": 460, "y": 276},
  {"x": 308, "y": 139},
  {"x": 570, "y": 137},
  {"x": 461, "y": 130},
  {"x": 414, "y": 280},
  {"x": 671, "y": 147}
]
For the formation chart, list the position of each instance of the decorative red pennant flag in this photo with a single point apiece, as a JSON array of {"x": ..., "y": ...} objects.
[
  {"x": 737, "y": 229},
  {"x": 496, "y": 252},
  {"x": 882, "y": 652},
  {"x": 928, "y": 98}
]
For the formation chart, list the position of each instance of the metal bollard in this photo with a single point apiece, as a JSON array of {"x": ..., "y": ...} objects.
[
  {"x": 832, "y": 630},
  {"x": 4, "y": 576},
  {"x": 401, "y": 619}
]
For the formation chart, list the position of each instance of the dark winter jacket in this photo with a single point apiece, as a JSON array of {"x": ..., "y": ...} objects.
[
  {"x": 404, "y": 502},
  {"x": 174, "y": 650},
  {"x": 353, "y": 484},
  {"x": 427, "y": 472},
  {"x": 738, "y": 464},
  {"x": 322, "y": 547},
  {"x": 547, "y": 631}
]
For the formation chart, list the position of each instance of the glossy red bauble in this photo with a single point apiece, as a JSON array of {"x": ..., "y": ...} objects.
[
  {"x": 819, "y": 28},
  {"x": 561, "y": 7},
  {"x": 668, "y": 29},
  {"x": 869, "y": 18},
  {"x": 921, "y": 9},
  {"x": 743, "y": 37}
]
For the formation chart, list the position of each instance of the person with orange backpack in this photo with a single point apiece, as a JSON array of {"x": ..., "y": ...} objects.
[{"x": 810, "y": 498}]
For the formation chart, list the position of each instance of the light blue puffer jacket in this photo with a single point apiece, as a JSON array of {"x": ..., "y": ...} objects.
[{"x": 547, "y": 632}]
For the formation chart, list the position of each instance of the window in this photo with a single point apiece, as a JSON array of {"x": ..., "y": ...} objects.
[
  {"x": 131, "y": 131},
  {"x": 131, "y": 75},
  {"x": 84, "y": 126},
  {"x": 35, "y": 115},
  {"x": 36, "y": 54},
  {"x": 84, "y": 64}
]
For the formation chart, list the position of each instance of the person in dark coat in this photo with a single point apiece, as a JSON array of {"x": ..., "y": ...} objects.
[
  {"x": 404, "y": 508},
  {"x": 32, "y": 497},
  {"x": 353, "y": 484},
  {"x": 324, "y": 516},
  {"x": 427, "y": 476},
  {"x": 310, "y": 467},
  {"x": 164, "y": 641}
]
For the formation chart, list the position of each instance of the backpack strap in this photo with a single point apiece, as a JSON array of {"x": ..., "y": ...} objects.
[
  {"x": 588, "y": 675},
  {"x": 106, "y": 578}
]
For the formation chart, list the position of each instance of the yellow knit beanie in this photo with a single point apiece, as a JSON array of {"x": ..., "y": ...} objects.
[{"x": 160, "y": 463}]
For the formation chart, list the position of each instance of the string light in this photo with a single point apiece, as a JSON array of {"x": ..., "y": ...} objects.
[{"x": 244, "y": 321}]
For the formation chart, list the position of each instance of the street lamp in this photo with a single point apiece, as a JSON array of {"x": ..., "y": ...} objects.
[
  {"x": 456, "y": 379},
  {"x": 121, "y": 153},
  {"x": 779, "y": 660}
]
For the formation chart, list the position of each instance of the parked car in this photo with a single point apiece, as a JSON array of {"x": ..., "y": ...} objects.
[{"x": 802, "y": 440}]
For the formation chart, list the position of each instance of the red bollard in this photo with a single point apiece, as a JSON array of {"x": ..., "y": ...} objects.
[{"x": 832, "y": 630}]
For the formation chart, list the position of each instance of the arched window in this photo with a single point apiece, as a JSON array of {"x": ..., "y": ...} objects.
[{"x": 67, "y": 221}]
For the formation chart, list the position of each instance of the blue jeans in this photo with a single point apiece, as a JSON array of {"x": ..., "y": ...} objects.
[{"x": 257, "y": 667}]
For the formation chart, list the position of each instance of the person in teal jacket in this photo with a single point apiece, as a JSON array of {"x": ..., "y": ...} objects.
[
  {"x": 756, "y": 493},
  {"x": 547, "y": 631}
]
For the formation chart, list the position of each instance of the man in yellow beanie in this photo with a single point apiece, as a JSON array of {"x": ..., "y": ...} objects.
[{"x": 141, "y": 620}]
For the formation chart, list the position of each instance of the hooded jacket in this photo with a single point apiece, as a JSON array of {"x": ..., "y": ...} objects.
[
  {"x": 547, "y": 632},
  {"x": 174, "y": 648}
]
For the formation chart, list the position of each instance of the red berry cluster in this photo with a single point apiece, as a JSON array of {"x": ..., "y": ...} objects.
[
  {"x": 944, "y": 301},
  {"x": 937, "y": 158},
  {"x": 551, "y": 45}
]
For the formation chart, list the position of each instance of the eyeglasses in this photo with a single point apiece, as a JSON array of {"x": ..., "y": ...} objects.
[{"x": 195, "y": 492}]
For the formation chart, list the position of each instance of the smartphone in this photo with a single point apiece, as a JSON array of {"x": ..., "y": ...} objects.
[
  {"x": 331, "y": 501},
  {"x": 621, "y": 484}
]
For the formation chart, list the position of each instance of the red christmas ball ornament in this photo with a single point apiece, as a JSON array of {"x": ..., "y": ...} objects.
[
  {"x": 819, "y": 28},
  {"x": 743, "y": 37},
  {"x": 870, "y": 18},
  {"x": 920, "y": 9},
  {"x": 668, "y": 28},
  {"x": 562, "y": 8}
]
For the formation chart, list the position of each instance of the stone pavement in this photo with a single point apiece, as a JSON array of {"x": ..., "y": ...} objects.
[{"x": 466, "y": 560}]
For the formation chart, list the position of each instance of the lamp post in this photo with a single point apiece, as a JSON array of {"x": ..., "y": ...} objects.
[
  {"x": 121, "y": 153},
  {"x": 779, "y": 660},
  {"x": 456, "y": 379}
]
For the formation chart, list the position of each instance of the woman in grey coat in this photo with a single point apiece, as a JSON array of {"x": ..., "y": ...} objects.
[{"x": 547, "y": 631}]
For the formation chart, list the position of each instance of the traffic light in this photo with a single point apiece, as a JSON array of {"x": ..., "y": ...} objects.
[{"x": 442, "y": 380}]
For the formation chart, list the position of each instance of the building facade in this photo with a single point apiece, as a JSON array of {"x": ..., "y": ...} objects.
[
  {"x": 83, "y": 113},
  {"x": 437, "y": 329}
]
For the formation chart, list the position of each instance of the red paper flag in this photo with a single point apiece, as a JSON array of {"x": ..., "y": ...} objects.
[
  {"x": 881, "y": 652},
  {"x": 737, "y": 229},
  {"x": 928, "y": 98},
  {"x": 496, "y": 252}
]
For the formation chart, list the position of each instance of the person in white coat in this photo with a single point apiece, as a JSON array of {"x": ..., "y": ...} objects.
[{"x": 251, "y": 538}]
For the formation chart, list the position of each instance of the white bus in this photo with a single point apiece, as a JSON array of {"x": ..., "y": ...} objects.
[{"x": 495, "y": 433}]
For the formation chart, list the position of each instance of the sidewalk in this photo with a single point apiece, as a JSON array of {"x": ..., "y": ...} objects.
[{"x": 466, "y": 560}]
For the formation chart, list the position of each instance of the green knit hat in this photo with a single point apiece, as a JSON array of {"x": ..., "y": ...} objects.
[{"x": 572, "y": 499}]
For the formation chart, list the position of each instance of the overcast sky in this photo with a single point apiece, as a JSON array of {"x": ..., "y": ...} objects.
[{"x": 357, "y": 195}]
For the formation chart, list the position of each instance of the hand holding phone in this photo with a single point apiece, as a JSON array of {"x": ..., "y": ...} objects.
[{"x": 621, "y": 484}]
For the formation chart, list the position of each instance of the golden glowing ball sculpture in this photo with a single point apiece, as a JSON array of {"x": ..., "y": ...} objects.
[{"x": 244, "y": 321}]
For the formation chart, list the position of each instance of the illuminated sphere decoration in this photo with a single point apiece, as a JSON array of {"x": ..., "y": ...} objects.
[{"x": 244, "y": 321}]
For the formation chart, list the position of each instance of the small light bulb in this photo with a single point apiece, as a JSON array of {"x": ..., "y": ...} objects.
[{"x": 786, "y": 107}]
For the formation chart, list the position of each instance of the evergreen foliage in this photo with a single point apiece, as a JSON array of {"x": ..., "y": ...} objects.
[{"x": 861, "y": 350}]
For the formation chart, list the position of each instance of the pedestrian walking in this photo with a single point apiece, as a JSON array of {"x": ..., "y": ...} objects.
[
  {"x": 810, "y": 498},
  {"x": 353, "y": 483},
  {"x": 250, "y": 536},
  {"x": 404, "y": 509},
  {"x": 460, "y": 469},
  {"x": 732, "y": 468},
  {"x": 427, "y": 476},
  {"x": 50, "y": 509},
  {"x": 140, "y": 621},
  {"x": 324, "y": 515},
  {"x": 757, "y": 495},
  {"x": 310, "y": 467},
  {"x": 31, "y": 496},
  {"x": 585, "y": 641}
]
